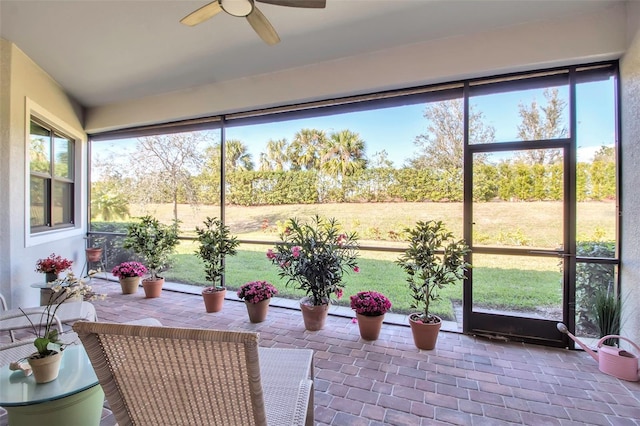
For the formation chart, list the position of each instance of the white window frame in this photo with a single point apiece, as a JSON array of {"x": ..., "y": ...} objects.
[{"x": 33, "y": 110}]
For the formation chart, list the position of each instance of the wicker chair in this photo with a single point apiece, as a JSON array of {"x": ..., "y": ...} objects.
[{"x": 182, "y": 376}]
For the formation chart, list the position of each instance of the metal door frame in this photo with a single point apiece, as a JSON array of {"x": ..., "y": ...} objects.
[{"x": 530, "y": 330}]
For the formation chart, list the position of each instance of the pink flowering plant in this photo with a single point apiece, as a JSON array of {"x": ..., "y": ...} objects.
[
  {"x": 370, "y": 303},
  {"x": 129, "y": 269},
  {"x": 54, "y": 264},
  {"x": 314, "y": 256},
  {"x": 256, "y": 291}
]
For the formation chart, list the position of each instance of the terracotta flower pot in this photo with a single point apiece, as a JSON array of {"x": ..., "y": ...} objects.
[
  {"x": 314, "y": 316},
  {"x": 129, "y": 285},
  {"x": 152, "y": 288},
  {"x": 213, "y": 299},
  {"x": 94, "y": 254},
  {"x": 45, "y": 369},
  {"x": 425, "y": 335},
  {"x": 370, "y": 326},
  {"x": 257, "y": 311}
]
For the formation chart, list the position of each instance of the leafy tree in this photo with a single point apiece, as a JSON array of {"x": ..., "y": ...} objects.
[
  {"x": 603, "y": 174},
  {"x": 380, "y": 160},
  {"x": 506, "y": 179},
  {"x": 556, "y": 180},
  {"x": 540, "y": 123},
  {"x": 166, "y": 163},
  {"x": 39, "y": 155},
  {"x": 109, "y": 205},
  {"x": 442, "y": 145},
  {"x": 485, "y": 182},
  {"x": 606, "y": 154},
  {"x": 304, "y": 150},
  {"x": 110, "y": 192}
]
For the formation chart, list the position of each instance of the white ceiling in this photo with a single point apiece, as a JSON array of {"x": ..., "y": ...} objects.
[{"x": 108, "y": 51}]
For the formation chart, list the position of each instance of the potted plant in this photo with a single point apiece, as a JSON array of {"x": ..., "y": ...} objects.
[
  {"x": 155, "y": 242},
  {"x": 45, "y": 362},
  {"x": 129, "y": 275},
  {"x": 256, "y": 296},
  {"x": 95, "y": 248},
  {"x": 608, "y": 310},
  {"x": 52, "y": 266},
  {"x": 314, "y": 256},
  {"x": 370, "y": 307},
  {"x": 216, "y": 242},
  {"x": 433, "y": 260}
]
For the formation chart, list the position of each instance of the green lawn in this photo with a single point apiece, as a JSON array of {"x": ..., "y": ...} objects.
[{"x": 494, "y": 285}]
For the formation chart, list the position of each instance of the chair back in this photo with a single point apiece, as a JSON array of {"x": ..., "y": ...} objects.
[{"x": 176, "y": 376}]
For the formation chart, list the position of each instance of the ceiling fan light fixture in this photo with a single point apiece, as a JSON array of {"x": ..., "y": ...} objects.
[{"x": 238, "y": 8}]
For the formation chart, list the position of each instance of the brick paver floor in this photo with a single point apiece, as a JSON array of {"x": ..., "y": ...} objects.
[{"x": 464, "y": 381}]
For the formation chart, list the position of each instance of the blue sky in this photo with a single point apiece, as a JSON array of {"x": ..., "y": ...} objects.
[{"x": 395, "y": 129}]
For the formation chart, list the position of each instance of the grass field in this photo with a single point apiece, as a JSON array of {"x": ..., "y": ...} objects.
[
  {"x": 534, "y": 224},
  {"x": 506, "y": 283}
]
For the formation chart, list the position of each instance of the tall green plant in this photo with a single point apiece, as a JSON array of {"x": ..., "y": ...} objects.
[
  {"x": 152, "y": 240},
  {"x": 607, "y": 310},
  {"x": 427, "y": 270},
  {"x": 216, "y": 242}
]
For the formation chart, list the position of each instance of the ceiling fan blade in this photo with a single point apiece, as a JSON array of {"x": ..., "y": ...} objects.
[
  {"x": 315, "y": 4},
  {"x": 202, "y": 14},
  {"x": 263, "y": 27}
]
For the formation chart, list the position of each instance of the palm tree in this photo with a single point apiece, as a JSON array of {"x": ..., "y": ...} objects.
[
  {"x": 276, "y": 155},
  {"x": 265, "y": 164},
  {"x": 304, "y": 151},
  {"x": 344, "y": 154},
  {"x": 237, "y": 156},
  {"x": 109, "y": 206}
]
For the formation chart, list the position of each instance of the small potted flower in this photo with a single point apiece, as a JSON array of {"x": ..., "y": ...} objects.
[
  {"x": 129, "y": 275},
  {"x": 45, "y": 362},
  {"x": 257, "y": 295},
  {"x": 370, "y": 307},
  {"x": 314, "y": 256},
  {"x": 52, "y": 266}
]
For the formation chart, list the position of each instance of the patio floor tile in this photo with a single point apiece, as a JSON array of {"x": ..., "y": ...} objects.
[{"x": 465, "y": 380}]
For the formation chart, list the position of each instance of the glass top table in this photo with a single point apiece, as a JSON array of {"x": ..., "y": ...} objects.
[{"x": 76, "y": 375}]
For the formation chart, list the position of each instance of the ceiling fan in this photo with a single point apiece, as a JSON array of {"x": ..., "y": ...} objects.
[{"x": 248, "y": 9}]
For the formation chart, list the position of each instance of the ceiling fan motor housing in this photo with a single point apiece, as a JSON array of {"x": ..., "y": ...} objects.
[{"x": 238, "y": 8}]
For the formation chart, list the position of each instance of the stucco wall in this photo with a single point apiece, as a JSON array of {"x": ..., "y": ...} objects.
[
  {"x": 583, "y": 38},
  {"x": 22, "y": 79},
  {"x": 5, "y": 243},
  {"x": 630, "y": 146}
]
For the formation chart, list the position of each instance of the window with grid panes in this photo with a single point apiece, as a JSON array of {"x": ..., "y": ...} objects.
[{"x": 52, "y": 178}]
